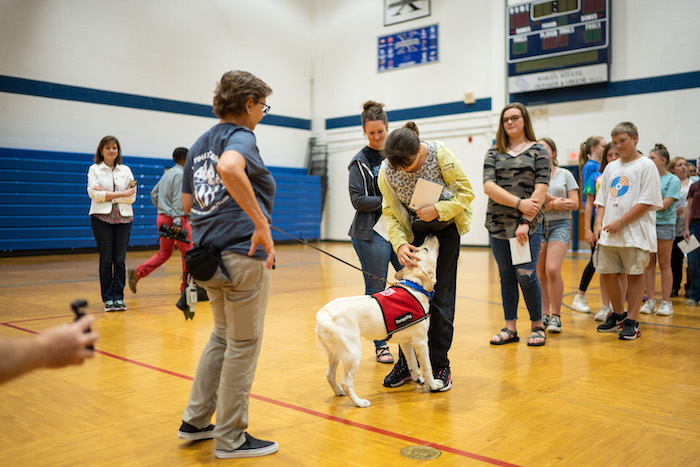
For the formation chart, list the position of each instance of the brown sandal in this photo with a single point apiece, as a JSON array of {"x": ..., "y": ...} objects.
[{"x": 512, "y": 337}]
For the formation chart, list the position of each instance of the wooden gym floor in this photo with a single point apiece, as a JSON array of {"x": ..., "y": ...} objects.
[{"x": 585, "y": 398}]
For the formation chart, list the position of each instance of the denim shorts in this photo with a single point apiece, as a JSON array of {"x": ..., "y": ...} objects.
[
  {"x": 556, "y": 231},
  {"x": 665, "y": 231}
]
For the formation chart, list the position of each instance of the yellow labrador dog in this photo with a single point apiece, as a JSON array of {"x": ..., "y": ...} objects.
[{"x": 341, "y": 322}]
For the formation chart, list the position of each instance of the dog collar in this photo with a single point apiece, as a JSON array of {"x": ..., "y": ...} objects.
[{"x": 417, "y": 287}]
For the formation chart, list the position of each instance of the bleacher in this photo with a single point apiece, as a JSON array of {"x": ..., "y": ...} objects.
[{"x": 44, "y": 201}]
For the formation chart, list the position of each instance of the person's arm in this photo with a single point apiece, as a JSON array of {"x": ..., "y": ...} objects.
[
  {"x": 398, "y": 237},
  {"x": 187, "y": 202},
  {"x": 689, "y": 209},
  {"x": 632, "y": 215},
  {"x": 667, "y": 202},
  {"x": 587, "y": 217},
  {"x": 54, "y": 348},
  {"x": 231, "y": 168},
  {"x": 360, "y": 200}
]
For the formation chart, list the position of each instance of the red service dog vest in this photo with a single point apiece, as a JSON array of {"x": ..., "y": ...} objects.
[{"x": 399, "y": 308}]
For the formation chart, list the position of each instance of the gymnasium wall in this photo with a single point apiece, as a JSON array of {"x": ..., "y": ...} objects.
[{"x": 320, "y": 58}]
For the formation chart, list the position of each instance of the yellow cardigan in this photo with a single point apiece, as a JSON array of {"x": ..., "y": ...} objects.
[{"x": 458, "y": 208}]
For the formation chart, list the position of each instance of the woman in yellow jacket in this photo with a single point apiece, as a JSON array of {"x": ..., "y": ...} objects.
[{"x": 407, "y": 160}]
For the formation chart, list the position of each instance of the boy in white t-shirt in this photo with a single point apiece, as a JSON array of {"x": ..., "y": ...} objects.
[{"x": 630, "y": 192}]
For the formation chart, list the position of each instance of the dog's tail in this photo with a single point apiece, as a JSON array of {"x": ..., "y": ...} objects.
[{"x": 326, "y": 332}]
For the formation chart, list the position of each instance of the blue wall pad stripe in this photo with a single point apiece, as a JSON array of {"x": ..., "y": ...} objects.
[
  {"x": 31, "y": 87},
  {"x": 438, "y": 110},
  {"x": 613, "y": 89}
]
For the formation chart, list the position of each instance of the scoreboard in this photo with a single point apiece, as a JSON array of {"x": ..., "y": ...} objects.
[{"x": 557, "y": 43}]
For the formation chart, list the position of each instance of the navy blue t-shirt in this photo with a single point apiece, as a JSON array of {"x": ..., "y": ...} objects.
[{"x": 216, "y": 217}]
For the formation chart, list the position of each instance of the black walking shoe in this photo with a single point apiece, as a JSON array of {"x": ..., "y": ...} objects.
[
  {"x": 444, "y": 375},
  {"x": 399, "y": 375},
  {"x": 252, "y": 447},
  {"x": 630, "y": 330},
  {"x": 613, "y": 323},
  {"x": 191, "y": 433}
]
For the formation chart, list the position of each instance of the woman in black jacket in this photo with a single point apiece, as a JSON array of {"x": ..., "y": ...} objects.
[{"x": 374, "y": 251}]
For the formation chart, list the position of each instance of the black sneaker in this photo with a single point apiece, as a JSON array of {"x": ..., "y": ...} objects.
[
  {"x": 630, "y": 330},
  {"x": 191, "y": 433},
  {"x": 613, "y": 323},
  {"x": 444, "y": 375},
  {"x": 252, "y": 447},
  {"x": 119, "y": 305},
  {"x": 399, "y": 375}
]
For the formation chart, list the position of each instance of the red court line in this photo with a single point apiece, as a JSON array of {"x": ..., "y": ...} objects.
[{"x": 313, "y": 413}]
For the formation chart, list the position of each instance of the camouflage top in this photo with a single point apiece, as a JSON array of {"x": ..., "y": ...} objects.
[{"x": 518, "y": 175}]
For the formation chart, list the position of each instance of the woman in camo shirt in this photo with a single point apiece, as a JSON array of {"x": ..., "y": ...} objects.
[{"x": 516, "y": 178}]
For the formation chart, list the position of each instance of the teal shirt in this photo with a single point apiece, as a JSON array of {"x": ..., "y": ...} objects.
[{"x": 670, "y": 188}]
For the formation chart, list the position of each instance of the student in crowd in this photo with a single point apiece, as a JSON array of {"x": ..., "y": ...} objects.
[
  {"x": 374, "y": 251},
  {"x": 692, "y": 227},
  {"x": 590, "y": 157},
  {"x": 167, "y": 198},
  {"x": 625, "y": 228},
  {"x": 230, "y": 192},
  {"x": 665, "y": 233},
  {"x": 516, "y": 178},
  {"x": 112, "y": 190},
  {"x": 679, "y": 167},
  {"x": 589, "y": 192},
  {"x": 408, "y": 160},
  {"x": 562, "y": 198}
]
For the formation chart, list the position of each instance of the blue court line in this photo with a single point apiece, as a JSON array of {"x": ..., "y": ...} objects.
[{"x": 30, "y": 87}]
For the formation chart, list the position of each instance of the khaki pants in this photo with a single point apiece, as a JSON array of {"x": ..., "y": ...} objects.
[{"x": 227, "y": 365}]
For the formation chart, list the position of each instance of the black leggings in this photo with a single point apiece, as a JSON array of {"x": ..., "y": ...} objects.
[
  {"x": 587, "y": 273},
  {"x": 677, "y": 266}
]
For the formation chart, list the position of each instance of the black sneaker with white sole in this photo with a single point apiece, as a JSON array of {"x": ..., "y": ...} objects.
[
  {"x": 191, "y": 433},
  {"x": 398, "y": 375},
  {"x": 630, "y": 330},
  {"x": 252, "y": 447},
  {"x": 613, "y": 323},
  {"x": 444, "y": 375}
]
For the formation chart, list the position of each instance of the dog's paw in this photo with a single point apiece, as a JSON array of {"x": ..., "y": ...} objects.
[
  {"x": 437, "y": 384},
  {"x": 363, "y": 403},
  {"x": 419, "y": 380}
]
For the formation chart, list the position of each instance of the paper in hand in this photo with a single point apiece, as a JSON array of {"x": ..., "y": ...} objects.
[
  {"x": 425, "y": 194},
  {"x": 520, "y": 254},
  {"x": 689, "y": 245},
  {"x": 381, "y": 228}
]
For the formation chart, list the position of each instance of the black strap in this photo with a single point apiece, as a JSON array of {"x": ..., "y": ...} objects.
[{"x": 335, "y": 257}]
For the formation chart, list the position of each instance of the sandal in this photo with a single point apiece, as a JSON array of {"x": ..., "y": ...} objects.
[
  {"x": 512, "y": 337},
  {"x": 384, "y": 355},
  {"x": 537, "y": 333}
]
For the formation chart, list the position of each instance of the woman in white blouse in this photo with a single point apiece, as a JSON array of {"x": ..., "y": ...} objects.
[{"x": 112, "y": 190}]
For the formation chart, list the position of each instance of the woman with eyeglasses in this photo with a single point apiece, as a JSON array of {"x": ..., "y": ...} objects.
[
  {"x": 516, "y": 179},
  {"x": 229, "y": 193},
  {"x": 409, "y": 159},
  {"x": 374, "y": 251}
]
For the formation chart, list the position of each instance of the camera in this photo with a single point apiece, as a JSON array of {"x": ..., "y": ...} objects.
[{"x": 174, "y": 234}]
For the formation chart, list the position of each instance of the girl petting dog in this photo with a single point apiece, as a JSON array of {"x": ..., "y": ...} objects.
[{"x": 409, "y": 159}]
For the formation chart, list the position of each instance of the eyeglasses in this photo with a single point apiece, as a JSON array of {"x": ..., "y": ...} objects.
[
  {"x": 513, "y": 119},
  {"x": 266, "y": 108}
]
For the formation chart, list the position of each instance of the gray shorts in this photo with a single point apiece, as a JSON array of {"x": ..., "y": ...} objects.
[
  {"x": 616, "y": 260},
  {"x": 665, "y": 231}
]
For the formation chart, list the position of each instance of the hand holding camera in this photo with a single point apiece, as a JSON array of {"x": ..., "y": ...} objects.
[{"x": 176, "y": 232}]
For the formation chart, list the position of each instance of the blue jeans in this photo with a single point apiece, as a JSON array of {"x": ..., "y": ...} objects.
[
  {"x": 694, "y": 265},
  {"x": 112, "y": 242},
  {"x": 375, "y": 256},
  {"x": 524, "y": 275}
]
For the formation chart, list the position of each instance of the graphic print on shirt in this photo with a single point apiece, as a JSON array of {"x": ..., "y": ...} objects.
[
  {"x": 207, "y": 183},
  {"x": 619, "y": 187}
]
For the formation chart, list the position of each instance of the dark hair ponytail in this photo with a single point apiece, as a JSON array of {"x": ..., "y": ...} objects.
[
  {"x": 402, "y": 145},
  {"x": 372, "y": 111}
]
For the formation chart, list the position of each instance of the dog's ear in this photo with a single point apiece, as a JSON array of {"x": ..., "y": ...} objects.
[
  {"x": 427, "y": 279},
  {"x": 400, "y": 273}
]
